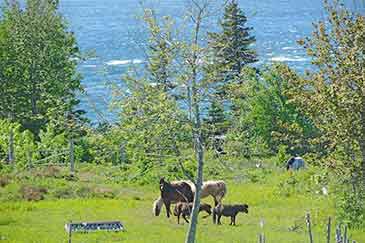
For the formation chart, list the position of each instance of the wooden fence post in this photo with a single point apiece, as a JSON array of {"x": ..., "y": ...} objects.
[
  {"x": 308, "y": 220},
  {"x": 11, "y": 154},
  {"x": 70, "y": 232},
  {"x": 262, "y": 234},
  {"x": 338, "y": 234},
  {"x": 329, "y": 230},
  {"x": 345, "y": 234},
  {"x": 72, "y": 157},
  {"x": 29, "y": 159}
]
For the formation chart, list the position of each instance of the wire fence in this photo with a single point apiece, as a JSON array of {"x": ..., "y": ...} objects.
[{"x": 66, "y": 155}]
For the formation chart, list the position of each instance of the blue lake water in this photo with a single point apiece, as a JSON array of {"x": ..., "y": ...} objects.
[{"x": 110, "y": 29}]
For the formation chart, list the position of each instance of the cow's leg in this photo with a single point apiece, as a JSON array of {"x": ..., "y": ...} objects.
[
  {"x": 186, "y": 220},
  {"x": 234, "y": 219},
  {"x": 167, "y": 206},
  {"x": 215, "y": 201},
  {"x": 219, "y": 219}
]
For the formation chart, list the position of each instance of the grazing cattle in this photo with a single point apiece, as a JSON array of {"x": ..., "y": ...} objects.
[
  {"x": 184, "y": 209},
  {"x": 216, "y": 189},
  {"x": 295, "y": 163},
  {"x": 228, "y": 211},
  {"x": 173, "y": 193}
]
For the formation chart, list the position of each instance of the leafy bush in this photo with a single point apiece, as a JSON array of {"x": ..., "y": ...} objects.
[
  {"x": 52, "y": 142},
  {"x": 101, "y": 146},
  {"x": 351, "y": 208},
  {"x": 23, "y": 141},
  {"x": 64, "y": 192},
  {"x": 282, "y": 155}
]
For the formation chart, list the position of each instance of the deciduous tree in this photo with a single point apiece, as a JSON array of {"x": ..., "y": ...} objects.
[{"x": 38, "y": 64}]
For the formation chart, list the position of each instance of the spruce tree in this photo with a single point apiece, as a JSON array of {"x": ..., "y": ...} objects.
[{"x": 230, "y": 49}]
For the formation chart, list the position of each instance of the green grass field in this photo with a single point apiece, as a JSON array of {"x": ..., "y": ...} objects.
[{"x": 282, "y": 209}]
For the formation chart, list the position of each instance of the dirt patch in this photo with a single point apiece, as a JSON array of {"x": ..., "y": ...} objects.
[
  {"x": 50, "y": 171},
  {"x": 33, "y": 193},
  {"x": 4, "y": 181}
]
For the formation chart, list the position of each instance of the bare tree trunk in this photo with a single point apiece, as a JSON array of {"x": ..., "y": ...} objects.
[
  {"x": 194, "y": 217},
  {"x": 199, "y": 153},
  {"x": 197, "y": 131}
]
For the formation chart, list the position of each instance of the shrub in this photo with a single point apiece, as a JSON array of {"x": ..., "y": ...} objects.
[
  {"x": 351, "y": 208},
  {"x": 104, "y": 192},
  {"x": 23, "y": 141},
  {"x": 282, "y": 155},
  {"x": 84, "y": 192},
  {"x": 33, "y": 193},
  {"x": 63, "y": 192}
]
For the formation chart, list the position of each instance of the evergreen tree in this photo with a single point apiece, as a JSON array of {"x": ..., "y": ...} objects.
[
  {"x": 38, "y": 76},
  {"x": 230, "y": 49},
  {"x": 216, "y": 125},
  {"x": 216, "y": 118}
]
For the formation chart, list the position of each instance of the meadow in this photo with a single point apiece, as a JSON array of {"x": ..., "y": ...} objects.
[{"x": 276, "y": 197}]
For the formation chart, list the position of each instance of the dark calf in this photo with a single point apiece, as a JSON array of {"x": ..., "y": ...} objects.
[
  {"x": 228, "y": 211},
  {"x": 184, "y": 209}
]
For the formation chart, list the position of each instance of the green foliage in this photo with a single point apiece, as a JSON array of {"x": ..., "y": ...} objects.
[
  {"x": 351, "y": 208},
  {"x": 216, "y": 120},
  {"x": 256, "y": 175},
  {"x": 230, "y": 49},
  {"x": 332, "y": 95},
  {"x": 89, "y": 199},
  {"x": 153, "y": 127},
  {"x": 266, "y": 110},
  {"x": 103, "y": 146},
  {"x": 215, "y": 125},
  {"x": 310, "y": 181},
  {"x": 38, "y": 66},
  {"x": 50, "y": 139},
  {"x": 162, "y": 50},
  {"x": 23, "y": 141},
  {"x": 282, "y": 156},
  {"x": 228, "y": 52}
]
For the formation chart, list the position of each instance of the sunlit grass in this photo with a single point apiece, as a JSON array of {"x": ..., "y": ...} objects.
[{"x": 282, "y": 214}]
